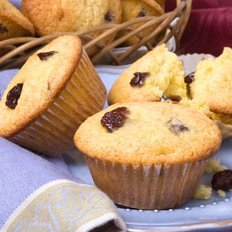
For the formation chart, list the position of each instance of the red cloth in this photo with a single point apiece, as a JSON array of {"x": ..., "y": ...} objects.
[
  {"x": 200, "y": 4},
  {"x": 209, "y": 28}
]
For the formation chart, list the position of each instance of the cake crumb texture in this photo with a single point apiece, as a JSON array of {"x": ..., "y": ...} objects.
[
  {"x": 203, "y": 192},
  {"x": 221, "y": 193},
  {"x": 165, "y": 78},
  {"x": 211, "y": 90},
  {"x": 215, "y": 166}
]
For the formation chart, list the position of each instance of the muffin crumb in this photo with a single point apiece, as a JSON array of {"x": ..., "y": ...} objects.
[
  {"x": 203, "y": 192},
  {"x": 221, "y": 193},
  {"x": 214, "y": 166}
]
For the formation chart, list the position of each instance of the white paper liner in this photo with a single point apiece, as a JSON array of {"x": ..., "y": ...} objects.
[
  {"x": 52, "y": 132},
  {"x": 149, "y": 186}
]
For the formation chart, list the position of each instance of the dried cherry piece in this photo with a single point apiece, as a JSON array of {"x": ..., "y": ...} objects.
[
  {"x": 45, "y": 55},
  {"x": 139, "y": 79},
  {"x": 142, "y": 13},
  {"x": 222, "y": 180},
  {"x": 189, "y": 79},
  {"x": 114, "y": 119},
  {"x": 108, "y": 17},
  {"x": 165, "y": 98},
  {"x": 171, "y": 98},
  {"x": 3, "y": 29},
  {"x": 13, "y": 96},
  {"x": 176, "y": 126}
]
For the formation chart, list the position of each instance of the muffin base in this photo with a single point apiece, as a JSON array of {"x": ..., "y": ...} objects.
[
  {"x": 52, "y": 132},
  {"x": 147, "y": 186}
]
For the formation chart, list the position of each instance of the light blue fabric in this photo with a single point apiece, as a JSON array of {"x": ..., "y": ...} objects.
[
  {"x": 21, "y": 173},
  {"x": 17, "y": 3}
]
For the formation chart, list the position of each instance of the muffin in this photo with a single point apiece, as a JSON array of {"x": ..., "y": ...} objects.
[
  {"x": 69, "y": 16},
  {"x": 159, "y": 75},
  {"x": 210, "y": 89},
  {"x": 211, "y": 85},
  {"x": 221, "y": 80},
  {"x": 13, "y": 23},
  {"x": 148, "y": 155},
  {"x": 132, "y": 9},
  {"x": 51, "y": 95}
]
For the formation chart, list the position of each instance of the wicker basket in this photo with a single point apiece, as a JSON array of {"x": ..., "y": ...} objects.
[{"x": 14, "y": 52}]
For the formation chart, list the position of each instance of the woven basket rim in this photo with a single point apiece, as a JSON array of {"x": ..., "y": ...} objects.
[{"x": 19, "y": 49}]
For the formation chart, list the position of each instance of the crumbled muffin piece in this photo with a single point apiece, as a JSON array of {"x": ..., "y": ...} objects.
[
  {"x": 203, "y": 192},
  {"x": 214, "y": 166},
  {"x": 221, "y": 193}
]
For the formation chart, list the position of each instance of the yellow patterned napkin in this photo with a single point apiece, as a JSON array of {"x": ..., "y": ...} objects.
[{"x": 37, "y": 196}]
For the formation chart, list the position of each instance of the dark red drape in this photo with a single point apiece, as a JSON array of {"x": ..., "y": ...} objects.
[{"x": 209, "y": 28}]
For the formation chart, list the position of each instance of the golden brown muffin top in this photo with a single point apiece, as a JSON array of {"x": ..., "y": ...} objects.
[
  {"x": 52, "y": 16},
  {"x": 137, "y": 8},
  {"x": 148, "y": 133},
  {"x": 37, "y": 83},
  {"x": 13, "y": 21}
]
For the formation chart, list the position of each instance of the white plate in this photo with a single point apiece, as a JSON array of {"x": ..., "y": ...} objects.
[{"x": 195, "y": 215}]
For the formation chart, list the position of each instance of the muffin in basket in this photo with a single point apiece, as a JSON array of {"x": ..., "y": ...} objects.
[
  {"x": 132, "y": 9},
  {"x": 148, "y": 155},
  {"x": 13, "y": 23},
  {"x": 70, "y": 15},
  {"x": 158, "y": 75},
  {"x": 51, "y": 95}
]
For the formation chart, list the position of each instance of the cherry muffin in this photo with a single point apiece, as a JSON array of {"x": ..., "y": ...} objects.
[
  {"x": 51, "y": 95},
  {"x": 210, "y": 87},
  {"x": 132, "y": 9},
  {"x": 148, "y": 155},
  {"x": 13, "y": 23},
  {"x": 157, "y": 76},
  {"x": 52, "y": 16},
  {"x": 209, "y": 90}
]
